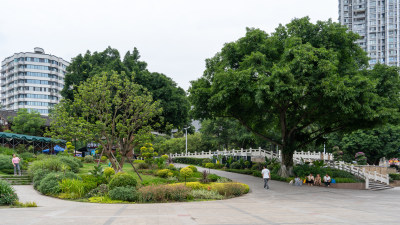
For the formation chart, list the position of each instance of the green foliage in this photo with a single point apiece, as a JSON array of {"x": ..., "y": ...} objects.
[
  {"x": 29, "y": 123},
  {"x": 213, "y": 177},
  {"x": 205, "y": 194},
  {"x": 210, "y": 165},
  {"x": 18, "y": 204},
  {"x": 296, "y": 85},
  {"x": 186, "y": 160},
  {"x": 235, "y": 165},
  {"x": 394, "y": 176},
  {"x": 6, "y": 165},
  {"x": 7, "y": 193},
  {"x": 164, "y": 193},
  {"x": 49, "y": 185},
  {"x": 103, "y": 158},
  {"x": 193, "y": 168},
  {"x": 160, "y": 162},
  {"x": 345, "y": 180},
  {"x": 163, "y": 89},
  {"x": 147, "y": 152},
  {"x": 6, "y": 151},
  {"x": 93, "y": 181},
  {"x": 164, "y": 173},
  {"x": 196, "y": 143},
  {"x": 124, "y": 194},
  {"x": 73, "y": 188},
  {"x": 108, "y": 172},
  {"x": 101, "y": 190},
  {"x": 137, "y": 161},
  {"x": 121, "y": 180},
  {"x": 38, "y": 175},
  {"x": 97, "y": 170},
  {"x": 186, "y": 172},
  {"x": 89, "y": 159},
  {"x": 231, "y": 189},
  {"x": 49, "y": 163},
  {"x": 73, "y": 163}
]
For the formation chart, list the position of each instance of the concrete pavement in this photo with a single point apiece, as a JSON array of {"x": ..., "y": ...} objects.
[{"x": 282, "y": 204}]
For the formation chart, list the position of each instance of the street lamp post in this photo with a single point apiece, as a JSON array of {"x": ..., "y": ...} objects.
[{"x": 186, "y": 128}]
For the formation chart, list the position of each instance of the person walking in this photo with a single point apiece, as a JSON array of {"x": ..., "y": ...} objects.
[
  {"x": 15, "y": 162},
  {"x": 266, "y": 176}
]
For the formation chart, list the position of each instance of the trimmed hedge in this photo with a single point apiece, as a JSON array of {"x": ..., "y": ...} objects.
[
  {"x": 394, "y": 176},
  {"x": 124, "y": 194},
  {"x": 187, "y": 160},
  {"x": 122, "y": 180}
]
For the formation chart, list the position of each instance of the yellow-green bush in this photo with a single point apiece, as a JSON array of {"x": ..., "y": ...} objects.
[
  {"x": 164, "y": 173},
  {"x": 193, "y": 168},
  {"x": 226, "y": 189},
  {"x": 109, "y": 171},
  {"x": 138, "y": 161}
]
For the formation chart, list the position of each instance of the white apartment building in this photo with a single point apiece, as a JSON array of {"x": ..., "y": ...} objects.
[
  {"x": 377, "y": 22},
  {"x": 32, "y": 80}
]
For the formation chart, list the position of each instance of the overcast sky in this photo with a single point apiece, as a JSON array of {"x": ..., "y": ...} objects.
[{"x": 173, "y": 36}]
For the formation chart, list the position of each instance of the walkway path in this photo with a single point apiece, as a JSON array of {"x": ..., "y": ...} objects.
[{"x": 282, "y": 204}]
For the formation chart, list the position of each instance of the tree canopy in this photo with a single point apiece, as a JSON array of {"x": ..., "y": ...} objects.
[
  {"x": 172, "y": 98},
  {"x": 111, "y": 110},
  {"x": 295, "y": 85},
  {"x": 29, "y": 123}
]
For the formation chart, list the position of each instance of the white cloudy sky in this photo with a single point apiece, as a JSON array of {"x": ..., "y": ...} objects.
[{"x": 173, "y": 36}]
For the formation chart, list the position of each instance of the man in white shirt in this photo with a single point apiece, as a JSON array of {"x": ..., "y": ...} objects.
[
  {"x": 266, "y": 176},
  {"x": 327, "y": 180}
]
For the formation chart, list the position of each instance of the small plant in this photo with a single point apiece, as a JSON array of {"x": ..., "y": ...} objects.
[
  {"x": 164, "y": 173},
  {"x": 186, "y": 172},
  {"x": 89, "y": 159},
  {"x": 73, "y": 188},
  {"x": 123, "y": 194},
  {"x": 204, "y": 177},
  {"x": 18, "y": 204},
  {"x": 213, "y": 177},
  {"x": 121, "y": 180},
  {"x": 206, "y": 194},
  {"x": 103, "y": 158},
  {"x": 101, "y": 190},
  {"x": 171, "y": 167},
  {"x": 97, "y": 171},
  {"x": 108, "y": 172},
  {"x": 193, "y": 168},
  {"x": 148, "y": 153},
  {"x": 209, "y": 166}
]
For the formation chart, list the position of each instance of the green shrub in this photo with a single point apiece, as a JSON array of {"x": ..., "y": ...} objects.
[
  {"x": 163, "y": 193},
  {"x": 124, "y": 194},
  {"x": 38, "y": 176},
  {"x": 27, "y": 156},
  {"x": 257, "y": 173},
  {"x": 206, "y": 194},
  {"x": 108, "y": 172},
  {"x": 71, "y": 162},
  {"x": 53, "y": 164},
  {"x": 89, "y": 159},
  {"x": 394, "y": 176},
  {"x": 137, "y": 161},
  {"x": 143, "y": 166},
  {"x": 164, "y": 173},
  {"x": 101, "y": 190},
  {"x": 7, "y": 194},
  {"x": 18, "y": 204},
  {"x": 193, "y": 168},
  {"x": 49, "y": 185},
  {"x": 235, "y": 165},
  {"x": 187, "y": 160},
  {"x": 122, "y": 180},
  {"x": 186, "y": 172},
  {"x": 258, "y": 166},
  {"x": 6, "y": 151},
  {"x": 218, "y": 166},
  {"x": 6, "y": 165},
  {"x": 213, "y": 177},
  {"x": 73, "y": 188},
  {"x": 231, "y": 189},
  {"x": 103, "y": 158},
  {"x": 210, "y": 165},
  {"x": 171, "y": 167}
]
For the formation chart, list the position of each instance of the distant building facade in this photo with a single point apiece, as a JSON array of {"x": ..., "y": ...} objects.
[
  {"x": 32, "y": 80},
  {"x": 377, "y": 22}
]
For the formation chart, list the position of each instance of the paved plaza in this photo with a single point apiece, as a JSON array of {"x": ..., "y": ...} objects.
[{"x": 282, "y": 204}]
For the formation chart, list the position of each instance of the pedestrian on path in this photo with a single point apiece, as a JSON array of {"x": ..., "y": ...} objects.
[
  {"x": 15, "y": 162},
  {"x": 266, "y": 176}
]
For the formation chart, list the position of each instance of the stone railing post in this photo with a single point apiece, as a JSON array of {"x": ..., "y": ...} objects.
[
  {"x": 366, "y": 183},
  {"x": 375, "y": 175}
]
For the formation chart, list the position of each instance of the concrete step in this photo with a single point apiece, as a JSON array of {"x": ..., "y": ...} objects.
[
  {"x": 17, "y": 180},
  {"x": 377, "y": 186}
]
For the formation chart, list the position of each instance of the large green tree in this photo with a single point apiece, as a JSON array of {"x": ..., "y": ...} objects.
[
  {"x": 30, "y": 123},
  {"x": 172, "y": 98},
  {"x": 111, "y": 110},
  {"x": 296, "y": 85}
]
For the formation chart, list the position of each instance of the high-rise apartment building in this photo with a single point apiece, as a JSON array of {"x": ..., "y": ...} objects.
[
  {"x": 32, "y": 80},
  {"x": 377, "y": 22}
]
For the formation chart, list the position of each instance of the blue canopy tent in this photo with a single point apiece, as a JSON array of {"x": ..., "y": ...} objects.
[
  {"x": 46, "y": 151},
  {"x": 58, "y": 149}
]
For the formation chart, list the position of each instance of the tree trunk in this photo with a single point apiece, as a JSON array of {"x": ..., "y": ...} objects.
[{"x": 286, "y": 169}]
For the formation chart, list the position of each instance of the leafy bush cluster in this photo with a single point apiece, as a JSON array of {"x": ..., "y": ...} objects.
[
  {"x": 205, "y": 194},
  {"x": 187, "y": 160},
  {"x": 164, "y": 193},
  {"x": 7, "y": 194},
  {"x": 55, "y": 163},
  {"x": 193, "y": 168},
  {"x": 89, "y": 159},
  {"x": 126, "y": 193},
  {"x": 49, "y": 184},
  {"x": 164, "y": 173},
  {"x": 101, "y": 190},
  {"x": 122, "y": 180},
  {"x": 394, "y": 176},
  {"x": 73, "y": 188}
]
